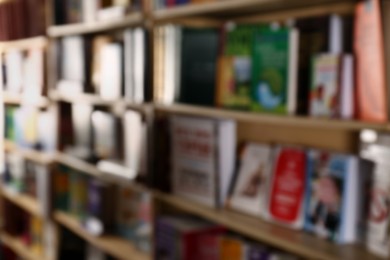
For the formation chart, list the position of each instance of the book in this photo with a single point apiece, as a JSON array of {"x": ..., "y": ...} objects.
[
  {"x": 105, "y": 128},
  {"x": 128, "y": 42},
  {"x": 274, "y": 80},
  {"x": 232, "y": 248},
  {"x": 347, "y": 87},
  {"x": 203, "y": 158},
  {"x": 235, "y": 67},
  {"x": 370, "y": 67},
  {"x": 325, "y": 88},
  {"x": 82, "y": 130},
  {"x": 61, "y": 188},
  {"x": 335, "y": 189},
  {"x": 287, "y": 187},
  {"x": 181, "y": 237},
  {"x": 98, "y": 43},
  {"x": 199, "y": 53},
  {"x": 250, "y": 190},
  {"x": 111, "y": 70},
  {"x": 78, "y": 197},
  {"x": 140, "y": 71},
  {"x": 14, "y": 71}
]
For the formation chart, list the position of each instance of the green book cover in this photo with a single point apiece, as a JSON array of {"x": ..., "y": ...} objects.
[
  {"x": 235, "y": 67},
  {"x": 9, "y": 123},
  {"x": 270, "y": 70}
]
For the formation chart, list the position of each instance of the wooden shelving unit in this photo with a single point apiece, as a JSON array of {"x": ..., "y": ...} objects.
[
  {"x": 263, "y": 118},
  {"x": 30, "y": 154},
  {"x": 297, "y": 242},
  {"x": 88, "y": 28},
  {"x": 16, "y": 245},
  {"x": 16, "y": 99},
  {"x": 114, "y": 246},
  {"x": 78, "y": 164},
  {"x": 26, "y": 202}
]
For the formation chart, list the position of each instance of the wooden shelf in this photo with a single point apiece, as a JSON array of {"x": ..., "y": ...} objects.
[
  {"x": 17, "y": 99},
  {"x": 26, "y": 202},
  {"x": 233, "y": 7},
  {"x": 262, "y": 118},
  {"x": 29, "y": 154},
  {"x": 112, "y": 245},
  {"x": 100, "y": 26},
  {"x": 16, "y": 245},
  {"x": 28, "y": 43},
  {"x": 296, "y": 242},
  {"x": 78, "y": 164}
]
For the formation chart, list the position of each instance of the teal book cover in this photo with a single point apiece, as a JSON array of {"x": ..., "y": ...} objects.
[{"x": 270, "y": 70}]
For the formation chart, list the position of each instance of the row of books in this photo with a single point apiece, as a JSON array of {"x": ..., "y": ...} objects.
[
  {"x": 29, "y": 127},
  {"x": 75, "y": 11},
  {"x": 104, "y": 208},
  {"x": 161, "y": 4},
  {"x": 29, "y": 229},
  {"x": 318, "y": 191},
  {"x": 22, "y": 19},
  {"x": 312, "y": 66},
  {"x": 118, "y": 144},
  {"x": 107, "y": 65},
  {"x": 24, "y": 73},
  {"x": 184, "y": 237}
]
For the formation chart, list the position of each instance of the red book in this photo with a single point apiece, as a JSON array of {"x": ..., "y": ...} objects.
[
  {"x": 287, "y": 187},
  {"x": 370, "y": 67}
]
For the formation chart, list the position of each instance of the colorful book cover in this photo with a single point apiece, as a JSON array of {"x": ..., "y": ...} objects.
[
  {"x": 270, "y": 70},
  {"x": 257, "y": 252},
  {"x": 78, "y": 194},
  {"x": 232, "y": 248},
  {"x": 370, "y": 67},
  {"x": 194, "y": 160},
  {"x": 36, "y": 233},
  {"x": 62, "y": 187},
  {"x": 250, "y": 190},
  {"x": 287, "y": 187},
  {"x": 235, "y": 67},
  {"x": 325, "y": 89},
  {"x": 325, "y": 197},
  {"x": 9, "y": 123}
]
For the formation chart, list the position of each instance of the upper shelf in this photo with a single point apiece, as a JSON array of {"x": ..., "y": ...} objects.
[
  {"x": 234, "y": 7},
  {"x": 28, "y": 43},
  {"x": 297, "y": 242},
  {"x": 100, "y": 26},
  {"x": 296, "y": 121},
  {"x": 29, "y": 154},
  {"x": 17, "y": 99}
]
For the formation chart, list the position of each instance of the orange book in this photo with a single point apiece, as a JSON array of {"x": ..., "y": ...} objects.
[
  {"x": 231, "y": 248},
  {"x": 370, "y": 67}
]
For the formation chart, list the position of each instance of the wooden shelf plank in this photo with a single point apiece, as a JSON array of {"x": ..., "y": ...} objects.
[
  {"x": 78, "y": 164},
  {"x": 17, "y": 99},
  {"x": 29, "y": 154},
  {"x": 16, "y": 245},
  {"x": 112, "y": 245},
  {"x": 100, "y": 26},
  {"x": 24, "y": 201},
  {"x": 263, "y": 118},
  {"x": 297, "y": 242},
  {"x": 233, "y": 7},
  {"x": 27, "y": 43}
]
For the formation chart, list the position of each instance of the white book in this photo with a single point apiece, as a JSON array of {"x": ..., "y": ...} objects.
[
  {"x": 134, "y": 134},
  {"x": 177, "y": 61},
  {"x": 90, "y": 8},
  {"x": 293, "y": 71},
  {"x": 169, "y": 67},
  {"x": 336, "y": 34},
  {"x": 128, "y": 38},
  {"x": 111, "y": 72},
  {"x": 249, "y": 194},
  {"x": 347, "y": 87},
  {"x": 47, "y": 135},
  {"x": 73, "y": 60},
  {"x": 33, "y": 75},
  {"x": 202, "y": 163},
  {"x": 111, "y": 13},
  {"x": 82, "y": 127},
  {"x": 139, "y": 64},
  {"x": 104, "y": 134},
  {"x": 14, "y": 71}
]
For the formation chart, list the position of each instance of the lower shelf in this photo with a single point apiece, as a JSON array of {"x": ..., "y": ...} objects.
[
  {"x": 26, "y": 202},
  {"x": 296, "y": 242},
  {"x": 16, "y": 245},
  {"x": 112, "y": 245}
]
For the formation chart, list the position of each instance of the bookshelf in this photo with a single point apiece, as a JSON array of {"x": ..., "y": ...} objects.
[
  {"x": 88, "y": 28},
  {"x": 12, "y": 99},
  {"x": 116, "y": 247},
  {"x": 302, "y": 244},
  {"x": 26, "y": 202},
  {"x": 30, "y": 154},
  {"x": 16, "y": 245},
  {"x": 33, "y": 42}
]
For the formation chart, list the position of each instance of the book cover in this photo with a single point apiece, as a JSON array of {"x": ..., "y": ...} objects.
[
  {"x": 325, "y": 86},
  {"x": 287, "y": 187},
  {"x": 111, "y": 71},
  {"x": 232, "y": 248},
  {"x": 104, "y": 134},
  {"x": 370, "y": 66},
  {"x": 249, "y": 194},
  {"x": 256, "y": 252},
  {"x": 61, "y": 188},
  {"x": 235, "y": 67},
  {"x": 273, "y": 77},
  {"x": 193, "y": 159},
  {"x": 328, "y": 192},
  {"x": 78, "y": 194}
]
